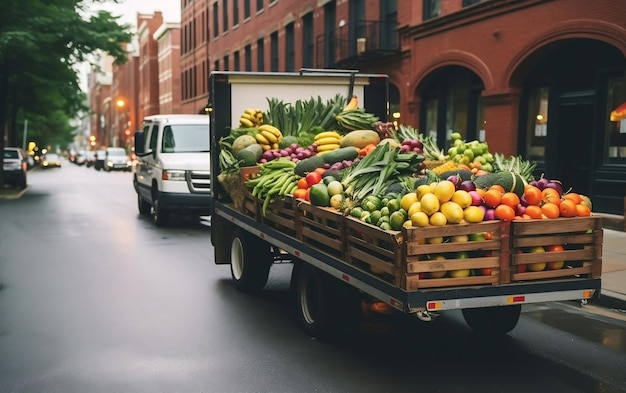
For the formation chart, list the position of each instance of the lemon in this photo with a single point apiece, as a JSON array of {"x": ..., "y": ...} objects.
[
  {"x": 336, "y": 200},
  {"x": 429, "y": 203},
  {"x": 473, "y": 214},
  {"x": 407, "y": 200},
  {"x": 438, "y": 219},
  {"x": 435, "y": 240},
  {"x": 423, "y": 189},
  {"x": 420, "y": 219},
  {"x": 462, "y": 198},
  {"x": 453, "y": 212},
  {"x": 444, "y": 190},
  {"x": 415, "y": 207}
]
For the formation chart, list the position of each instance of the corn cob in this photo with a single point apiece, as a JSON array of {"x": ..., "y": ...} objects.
[{"x": 447, "y": 166}]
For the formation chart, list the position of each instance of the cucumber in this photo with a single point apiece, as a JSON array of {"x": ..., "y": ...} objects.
[
  {"x": 309, "y": 165},
  {"x": 343, "y": 153},
  {"x": 511, "y": 182}
]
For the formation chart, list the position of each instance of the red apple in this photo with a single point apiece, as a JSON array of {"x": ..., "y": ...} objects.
[{"x": 556, "y": 265}]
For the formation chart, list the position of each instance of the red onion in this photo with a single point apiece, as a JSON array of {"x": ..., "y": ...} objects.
[
  {"x": 555, "y": 184},
  {"x": 520, "y": 210},
  {"x": 455, "y": 179},
  {"x": 477, "y": 200},
  {"x": 542, "y": 183},
  {"x": 468, "y": 186},
  {"x": 490, "y": 214}
]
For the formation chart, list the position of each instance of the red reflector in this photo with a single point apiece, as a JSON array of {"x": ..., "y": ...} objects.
[
  {"x": 297, "y": 253},
  {"x": 431, "y": 305},
  {"x": 345, "y": 277},
  {"x": 517, "y": 299}
]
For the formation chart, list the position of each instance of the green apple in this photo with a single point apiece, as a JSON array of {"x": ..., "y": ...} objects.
[{"x": 477, "y": 237}]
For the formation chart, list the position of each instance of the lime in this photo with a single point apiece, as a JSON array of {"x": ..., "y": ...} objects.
[
  {"x": 394, "y": 204},
  {"x": 396, "y": 220},
  {"x": 356, "y": 212}
]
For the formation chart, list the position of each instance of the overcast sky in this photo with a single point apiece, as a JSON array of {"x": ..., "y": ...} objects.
[{"x": 128, "y": 9}]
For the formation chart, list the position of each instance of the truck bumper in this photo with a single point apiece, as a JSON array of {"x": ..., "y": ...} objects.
[{"x": 186, "y": 203}]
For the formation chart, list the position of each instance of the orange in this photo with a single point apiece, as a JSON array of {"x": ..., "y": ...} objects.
[
  {"x": 510, "y": 199},
  {"x": 504, "y": 212},
  {"x": 574, "y": 197},
  {"x": 582, "y": 211},
  {"x": 533, "y": 211},
  {"x": 481, "y": 192},
  {"x": 532, "y": 194},
  {"x": 567, "y": 208},
  {"x": 550, "y": 195},
  {"x": 550, "y": 210},
  {"x": 492, "y": 197},
  {"x": 497, "y": 187}
]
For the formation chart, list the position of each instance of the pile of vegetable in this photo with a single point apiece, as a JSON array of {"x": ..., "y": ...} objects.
[{"x": 335, "y": 154}]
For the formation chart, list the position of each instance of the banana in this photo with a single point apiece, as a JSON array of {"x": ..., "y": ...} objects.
[
  {"x": 330, "y": 147},
  {"x": 269, "y": 136},
  {"x": 331, "y": 140},
  {"x": 265, "y": 147},
  {"x": 261, "y": 139},
  {"x": 275, "y": 146},
  {"x": 250, "y": 111},
  {"x": 272, "y": 129},
  {"x": 245, "y": 122},
  {"x": 327, "y": 134},
  {"x": 352, "y": 104},
  {"x": 248, "y": 116}
]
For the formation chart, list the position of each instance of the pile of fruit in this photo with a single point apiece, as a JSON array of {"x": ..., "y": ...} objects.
[{"x": 335, "y": 154}]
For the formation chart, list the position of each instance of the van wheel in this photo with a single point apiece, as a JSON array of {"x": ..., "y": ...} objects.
[
  {"x": 250, "y": 261},
  {"x": 161, "y": 216},
  {"x": 144, "y": 207},
  {"x": 327, "y": 308},
  {"x": 22, "y": 183},
  {"x": 492, "y": 320}
]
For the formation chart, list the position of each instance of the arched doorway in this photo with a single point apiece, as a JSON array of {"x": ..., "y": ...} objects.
[
  {"x": 451, "y": 102},
  {"x": 569, "y": 88}
]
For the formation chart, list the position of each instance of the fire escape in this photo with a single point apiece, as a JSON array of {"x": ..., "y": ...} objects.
[{"x": 356, "y": 44}]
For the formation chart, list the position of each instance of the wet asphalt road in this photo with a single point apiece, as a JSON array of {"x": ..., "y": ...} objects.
[{"x": 96, "y": 299}]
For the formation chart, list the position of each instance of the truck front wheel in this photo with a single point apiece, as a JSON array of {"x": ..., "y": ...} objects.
[
  {"x": 327, "y": 308},
  {"x": 492, "y": 320},
  {"x": 250, "y": 261},
  {"x": 143, "y": 206}
]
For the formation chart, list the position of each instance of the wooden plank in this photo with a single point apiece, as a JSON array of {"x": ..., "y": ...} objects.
[
  {"x": 413, "y": 283},
  {"x": 555, "y": 225}
]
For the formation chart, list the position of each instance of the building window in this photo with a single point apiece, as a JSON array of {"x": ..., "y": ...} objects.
[
  {"x": 235, "y": 12},
  {"x": 290, "y": 48},
  {"x": 537, "y": 124},
  {"x": 226, "y": 63},
  {"x": 248, "y": 57},
  {"x": 260, "y": 45},
  {"x": 274, "y": 51},
  {"x": 246, "y": 9},
  {"x": 236, "y": 64},
  {"x": 216, "y": 26},
  {"x": 615, "y": 150},
  {"x": 431, "y": 9},
  {"x": 330, "y": 21},
  {"x": 308, "y": 44},
  {"x": 216, "y": 65},
  {"x": 225, "y": 15},
  {"x": 389, "y": 28},
  {"x": 259, "y": 5}
]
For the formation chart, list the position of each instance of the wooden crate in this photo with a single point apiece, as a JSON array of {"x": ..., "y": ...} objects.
[
  {"x": 320, "y": 227},
  {"x": 581, "y": 238},
  {"x": 374, "y": 250},
  {"x": 429, "y": 265},
  {"x": 280, "y": 215},
  {"x": 250, "y": 206}
]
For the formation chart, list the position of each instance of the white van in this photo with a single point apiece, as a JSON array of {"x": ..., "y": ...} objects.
[{"x": 172, "y": 170}]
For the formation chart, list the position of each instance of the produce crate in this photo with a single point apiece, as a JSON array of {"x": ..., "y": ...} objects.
[
  {"x": 250, "y": 206},
  {"x": 322, "y": 228},
  {"x": 581, "y": 238},
  {"x": 454, "y": 255},
  {"x": 374, "y": 250},
  {"x": 280, "y": 215}
]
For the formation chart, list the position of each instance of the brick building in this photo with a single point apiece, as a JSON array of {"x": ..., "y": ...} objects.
[
  {"x": 538, "y": 78},
  {"x": 167, "y": 37},
  {"x": 148, "y": 73}
]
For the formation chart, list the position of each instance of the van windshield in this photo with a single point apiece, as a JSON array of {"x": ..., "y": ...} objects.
[{"x": 185, "y": 138}]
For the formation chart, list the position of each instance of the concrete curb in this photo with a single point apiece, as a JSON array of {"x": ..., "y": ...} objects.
[
  {"x": 16, "y": 195},
  {"x": 610, "y": 299}
]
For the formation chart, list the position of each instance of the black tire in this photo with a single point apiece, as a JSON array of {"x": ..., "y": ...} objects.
[
  {"x": 492, "y": 320},
  {"x": 143, "y": 206},
  {"x": 250, "y": 261},
  {"x": 326, "y": 307},
  {"x": 161, "y": 216},
  {"x": 22, "y": 183}
]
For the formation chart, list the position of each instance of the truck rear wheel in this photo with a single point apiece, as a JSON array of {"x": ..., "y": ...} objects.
[
  {"x": 250, "y": 261},
  {"x": 492, "y": 320},
  {"x": 327, "y": 308}
]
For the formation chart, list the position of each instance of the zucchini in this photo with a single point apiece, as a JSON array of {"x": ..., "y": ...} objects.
[
  {"x": 344, "y": 153},
  {"x": 309, "y": 165}
]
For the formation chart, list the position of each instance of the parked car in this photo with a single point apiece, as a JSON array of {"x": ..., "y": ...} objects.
[
  {"x": 51, "y": 160},
  {"x": 116, "y": 159},
  {"x": 15, "y": 167},
  {"x": 90, "y": 158},
  {"x": 99, "y": 160},
  {"x": 30, "y": 161}
]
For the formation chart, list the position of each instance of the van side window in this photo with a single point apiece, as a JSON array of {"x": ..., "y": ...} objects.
[
  {"x": 153, "y": 137},
  {"x": 169, "y": 145}
]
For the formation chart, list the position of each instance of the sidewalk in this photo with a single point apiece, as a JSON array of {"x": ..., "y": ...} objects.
[{"x": 613, "y": 293}]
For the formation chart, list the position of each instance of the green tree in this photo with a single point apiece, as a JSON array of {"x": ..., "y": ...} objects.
[{"x": 41, "y": 44}]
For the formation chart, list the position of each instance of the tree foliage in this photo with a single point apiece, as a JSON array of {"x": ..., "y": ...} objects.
[{"x": 41, "y": 44}]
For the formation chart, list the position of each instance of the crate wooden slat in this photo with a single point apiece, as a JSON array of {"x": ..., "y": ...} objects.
[
  {"x": 581, "y": 238},
  {"x": 322, "y": 228},
  {"x": 280, "y": 215},
  {"x": 251, "y": 206},
  {"x": 375, "y": 250},
  {"x": 421, "y": 266}
]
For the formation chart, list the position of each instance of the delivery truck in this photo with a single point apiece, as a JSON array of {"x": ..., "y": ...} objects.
[{"x": 339, "y": 260}]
